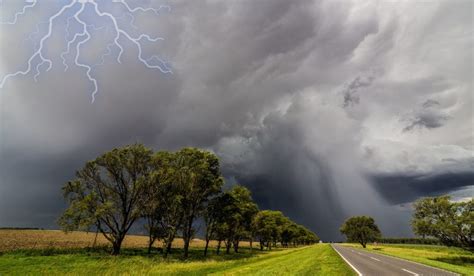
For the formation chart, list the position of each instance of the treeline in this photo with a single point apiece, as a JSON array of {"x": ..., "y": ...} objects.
[
  {"x": 170, "y": 192},
  {"x": 429, "y": 241},
  {"x": 21, "y": 228}
]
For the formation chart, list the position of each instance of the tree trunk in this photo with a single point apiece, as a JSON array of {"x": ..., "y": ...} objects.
[
  {"x": 261, "y": 245},
  {"x": 236, "y": 246},
  {"x": 187, "y": 236},
  {"x": 227, "y": 247},
  {"x": 151, "y": 240},
  {"x": 218, "y": 247},
  {"x": 186, "y": 247},
  {"x": 95, "y": 238},
  {"x": 251, "y": 240},
  {"x": 206, "y": 247},
  {"x": 116, "y": 245},
  {"x": 169, "y": 242}
]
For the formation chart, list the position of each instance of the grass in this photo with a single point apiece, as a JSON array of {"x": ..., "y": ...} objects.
[
  {"x": 448, "y": 258},
  {"x": 312, "y": 260},
  {"x": 54, "y": 253}
]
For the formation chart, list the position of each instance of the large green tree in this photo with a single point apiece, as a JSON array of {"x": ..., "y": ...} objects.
[
  {"x": 198, "y": 175},
  {"x": 451, "y": 222},
  {"x": 361, "y": 229},
  {"x": 107, "y": 193},
  {"x": 161, "y": 206}
]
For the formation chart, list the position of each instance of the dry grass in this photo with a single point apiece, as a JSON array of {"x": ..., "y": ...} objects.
[{"x": 40, "y": 239}]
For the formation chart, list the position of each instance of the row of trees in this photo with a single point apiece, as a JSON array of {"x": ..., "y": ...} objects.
[
  {"x": 449, "y": 223},
  {"x": 170, "y": 192}
]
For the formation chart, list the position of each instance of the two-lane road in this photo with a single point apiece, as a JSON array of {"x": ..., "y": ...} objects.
[{"x": 367, "y": 263}]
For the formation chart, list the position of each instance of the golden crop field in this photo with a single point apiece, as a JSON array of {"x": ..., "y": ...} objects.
[{"x": 39, "y": 239}]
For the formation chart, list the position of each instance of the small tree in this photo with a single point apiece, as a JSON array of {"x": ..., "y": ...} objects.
[
  {"x": 361, "y": 229},
  {"x": 107, "y": 193},
  {"x": 450, "y": 222}
]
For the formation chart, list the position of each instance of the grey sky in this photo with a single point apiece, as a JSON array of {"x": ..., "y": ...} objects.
[{"x": 323, "y": 108}]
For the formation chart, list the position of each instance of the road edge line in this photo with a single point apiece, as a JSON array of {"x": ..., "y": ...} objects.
[{"x": 353, "y": 267}]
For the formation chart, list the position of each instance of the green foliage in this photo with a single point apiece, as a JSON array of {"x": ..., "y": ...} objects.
[
  {"x": 361, "y": 229},
  {"x": 234, "y": 213},
  {"x": 107, "y": 192},
  {"x": 450, "y": 222},
  {"x": 200, "y": 179},
  {"x": 169, "y": 191},
  {"x": 271, "y": 227}
]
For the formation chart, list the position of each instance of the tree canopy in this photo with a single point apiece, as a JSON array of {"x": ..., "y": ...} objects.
[
  {"x": 450, "y": 222},
  {"x": 169, "y": 192},
  {"x": 361, "y": 229}
]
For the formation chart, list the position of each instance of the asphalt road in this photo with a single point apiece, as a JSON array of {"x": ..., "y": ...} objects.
[{"x": 366, "y": 263}]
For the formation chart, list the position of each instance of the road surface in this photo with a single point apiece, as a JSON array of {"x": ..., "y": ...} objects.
[{"x": 366, "y": 263}]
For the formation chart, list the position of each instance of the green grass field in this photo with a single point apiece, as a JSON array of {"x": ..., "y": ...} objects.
[
  {"x": 312, "y": 260},
  {"x": 448, "y": 258}
]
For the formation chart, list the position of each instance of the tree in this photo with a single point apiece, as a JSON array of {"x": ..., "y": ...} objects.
[
  {"x": 360, "y": 229},
  {"x": 266, "y": 227},
  {"x": 170, "y": 189},
  {"x": 107, "y": 192},
  {"x": 237, "y": 216},
  {"x": 158, "y": 200},
  {"x": 450, "y": 222},
  {"x": 200, "y": 178},
  {"x": 289, "y": 233},
  {"x": 214, "y": 218}
]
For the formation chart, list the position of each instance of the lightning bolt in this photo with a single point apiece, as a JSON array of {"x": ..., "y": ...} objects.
[{"x": 75, "y": 40}]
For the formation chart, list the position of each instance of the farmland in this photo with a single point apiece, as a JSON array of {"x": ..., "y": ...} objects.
[
  {"x": 449, "y": 258},
  {"x": 46, "y": 239},
  {"x": 53, "y": 252}
]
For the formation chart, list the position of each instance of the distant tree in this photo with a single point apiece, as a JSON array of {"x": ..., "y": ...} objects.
[
  {"x": 266, "y": 227},
  {"x": 107, "y": 193},
  {"x": 247, "y": 209},
  {"x": 360, "y": 229},
  {"x": 237, "y": 216},
  {"x": 450, "y": 222},
  {"x": 200, "y": 178}
]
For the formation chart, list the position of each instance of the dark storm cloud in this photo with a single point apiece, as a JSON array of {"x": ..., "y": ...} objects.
[
  {"x": 398, "y": 189},
  {"x": 259, "y": 83}
]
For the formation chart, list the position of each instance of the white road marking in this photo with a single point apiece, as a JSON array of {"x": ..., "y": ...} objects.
[
  {"x": 375, "y": 259},
  {"x": 411, "y": 272},
  {"x": 353, "y": 267}
]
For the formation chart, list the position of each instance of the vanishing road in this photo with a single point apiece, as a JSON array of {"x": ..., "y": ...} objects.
[{"x": 366, "y": 263}]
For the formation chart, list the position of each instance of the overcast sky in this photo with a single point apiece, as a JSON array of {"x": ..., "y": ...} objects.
[{"x": 324, "y": 109}]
